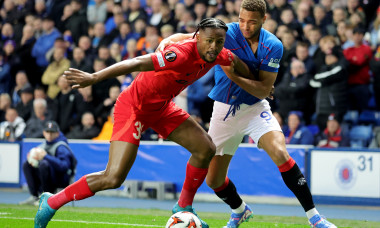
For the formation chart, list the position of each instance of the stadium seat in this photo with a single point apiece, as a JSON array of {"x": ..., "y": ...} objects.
[
  {"x": 351, "y": 117},
  {"x": 313, "y": 128},
  {"x": 360, "y": 136},
  {"x": 369, "y": 117}
]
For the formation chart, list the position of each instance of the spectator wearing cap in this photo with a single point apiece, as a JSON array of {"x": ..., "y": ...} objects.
[
  {"x": 334, "y": 135},
  {"x": 45, "y": 42},
  {"x": 25, "y": 106},
  {"x": 55, "y": 164},
  {"x": 330, "y": 82},
  {"x": 358, "y": 57},
  {"x": 37, "y": 122},
  {"x": 12, "y": 128},
  {"x": 297, "y": 133}
]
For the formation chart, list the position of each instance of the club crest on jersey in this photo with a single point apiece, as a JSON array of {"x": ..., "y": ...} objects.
[{"x": 170, "y": 56}]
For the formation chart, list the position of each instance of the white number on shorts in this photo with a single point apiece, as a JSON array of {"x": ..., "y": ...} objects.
[{"x": 139, "y": 128}]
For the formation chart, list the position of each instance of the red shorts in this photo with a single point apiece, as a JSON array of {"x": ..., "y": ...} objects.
[{"x": 130, "y": 122}]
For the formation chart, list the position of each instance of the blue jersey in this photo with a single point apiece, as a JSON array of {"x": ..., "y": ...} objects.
[{"x": 267, "y": 58}]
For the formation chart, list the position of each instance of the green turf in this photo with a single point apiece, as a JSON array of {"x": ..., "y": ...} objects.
[{"x": 22, "y": 216}]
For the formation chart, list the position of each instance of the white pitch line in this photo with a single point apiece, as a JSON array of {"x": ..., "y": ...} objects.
[{"x": 88, "y": 222}]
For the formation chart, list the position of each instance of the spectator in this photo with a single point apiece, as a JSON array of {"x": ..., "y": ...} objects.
[
  {"x": 37, "y": 122},
  {"x": 130, "y": 50},
  {"x": 359, "y": 57},
  {"x": 106, "y": 132},
  {"x": 320, "y": 19},
  {"x": 37, "y": 26},
  {"x": 24, "y": 51},
  {"x": 45, "y": 42},
  {"x": 85, "y": 45},
  {"x": 12, "y": 128},
  {"x": 21, "y": 82},
  {"x": 167, "y": 19},
  {"x": 100, "y": 38},
  {"x": 89, "y": 104},
  {"x": 25, "y": 106},
  {"x": 125, "y": 33},
  {"x": 5, "y": 75},
  {"x": 135, "y": 12},
  {"x": 55, "y": 164},
  {"x": 6, "y": 10},
  {"x": 331, "y": 83},
  {"x": 40, "y": 8},
  {"x": 70, "y": 105},
  {"x": 293, "y": 92},
  {"x": 7, "y": 33},
  {"x": 303, "y": 14},
  {"x": 97, "y": 12},
  {"x": 289, "y": 42},
  {"x": 297, "y": 133},
  {"x": 85, "y": 130},
  {"x": 148, "y": 43},
  {"x": 104, "y": 54},
  {"x": 52, "y": 106},
  {"x": 302, "y": 54},
  {"x": 77, "y": 22},
  {"x": 287, "y": 18},
  {"x": 100, "y": 90},
  {"x": 339, "y": 15},
  {"x": 270, "y": 25},
  {"x": 79, "y": 60},
  {"x": 54, "y": 71},
  {"x": 102, "y": 110},
  {"x": 115, "y": 52},
  {"x": 314, "y": 37},
  {"x": 334, "y": 135},
  {"x": 5, "y": 103},
  {"x": 373, "y": 35},
  {"x": 156, "y": 15}
]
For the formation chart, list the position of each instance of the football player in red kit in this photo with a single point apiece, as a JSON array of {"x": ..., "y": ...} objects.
[{"x": 148, "y": 103}]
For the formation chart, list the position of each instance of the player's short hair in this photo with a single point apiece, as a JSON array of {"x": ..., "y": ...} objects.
[
  {"x": 255, "y": 5},
  {"x": 211, "y": 23}
]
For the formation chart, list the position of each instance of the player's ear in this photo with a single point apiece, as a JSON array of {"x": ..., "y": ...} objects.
[
  {"x": 264, "y": 18},
  {"x": 197, "y": 36}
]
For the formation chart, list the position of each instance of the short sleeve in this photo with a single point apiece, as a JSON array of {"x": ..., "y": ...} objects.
[
  {"x": 272, "y": 62},
  {"x": 170, "y": 58}
]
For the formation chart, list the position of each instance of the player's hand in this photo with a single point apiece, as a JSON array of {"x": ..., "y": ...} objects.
[
  {"x": 163, "y": 44},
  {"x": 271, "y": 93},
  {"x": 78, "y": 78}
]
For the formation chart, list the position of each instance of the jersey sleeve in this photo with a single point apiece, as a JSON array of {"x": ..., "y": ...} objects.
[
  {"x": 225, "y": 57},
  {"x": 272, "y": 62},
  {"x": 170, "y": 58}
]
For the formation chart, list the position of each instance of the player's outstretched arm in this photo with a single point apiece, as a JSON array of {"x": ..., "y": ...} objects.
[
  {"x": 172, "y": 39},
  {"x": 80, "y": 79},
  {"x": 259, "y": 87}
]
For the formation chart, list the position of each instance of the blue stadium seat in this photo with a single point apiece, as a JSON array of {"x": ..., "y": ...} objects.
[
  {"x": 360, "y": 136},
  {"x": 351, "y": 117},
  {"x": 313, "y": 128},
  {"x": 369, "y": 117}
]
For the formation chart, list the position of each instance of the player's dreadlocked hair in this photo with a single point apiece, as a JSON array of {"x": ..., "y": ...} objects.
[
  {"x": 211, "y": 23},
  {"x": 255, "y": 5}
]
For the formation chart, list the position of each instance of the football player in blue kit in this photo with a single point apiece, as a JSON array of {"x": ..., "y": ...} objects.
[{"x": 240, "y": 109}]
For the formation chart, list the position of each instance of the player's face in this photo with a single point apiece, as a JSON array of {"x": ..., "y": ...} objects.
[
  {"x": 210, "y": 42},
  {"x": 250, "y": 23}
]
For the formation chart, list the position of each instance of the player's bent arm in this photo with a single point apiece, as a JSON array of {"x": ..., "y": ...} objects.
[
  {"x": 80, "y": 79},
  {"x": 260, "y": 88}
]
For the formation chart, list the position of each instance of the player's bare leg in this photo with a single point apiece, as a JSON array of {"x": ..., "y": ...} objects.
[
  {"x": 273, "y": 143},
  {"x": 121, "y": 158},
  {"x": 192, "y": 137}
]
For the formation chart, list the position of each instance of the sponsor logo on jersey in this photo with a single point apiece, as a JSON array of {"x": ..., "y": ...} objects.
[
  {"x": 275, "y": 63},
  {"x": 170, "y": 56},
  {"x": 345, "y": 175},
  {"x": 160, "y": 59}
]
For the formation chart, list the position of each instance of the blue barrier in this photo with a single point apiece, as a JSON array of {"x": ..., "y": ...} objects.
[{"x": 251, "y": 169}]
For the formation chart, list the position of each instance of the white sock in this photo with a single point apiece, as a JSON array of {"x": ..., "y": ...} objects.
[
  {"x": 240, "y": 209},
  {"x": 310, "y": 213}
]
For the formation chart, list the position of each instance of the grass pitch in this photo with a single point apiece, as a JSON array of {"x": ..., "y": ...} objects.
[{"x": 23, "y": 216}]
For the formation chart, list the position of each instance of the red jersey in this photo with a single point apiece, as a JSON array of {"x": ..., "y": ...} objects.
[{"x": 177, "y": 67}]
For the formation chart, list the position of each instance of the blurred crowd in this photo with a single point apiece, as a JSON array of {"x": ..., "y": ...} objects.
[{"x": 330, "y": 65}]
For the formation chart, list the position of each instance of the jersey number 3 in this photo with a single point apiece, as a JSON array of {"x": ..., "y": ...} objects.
[{"x": 139, "y": 128}]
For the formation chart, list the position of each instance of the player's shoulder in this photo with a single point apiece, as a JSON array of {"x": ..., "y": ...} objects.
[
  {"x": 186, "y": 47},
  {"x": 270, "y": 40}
]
